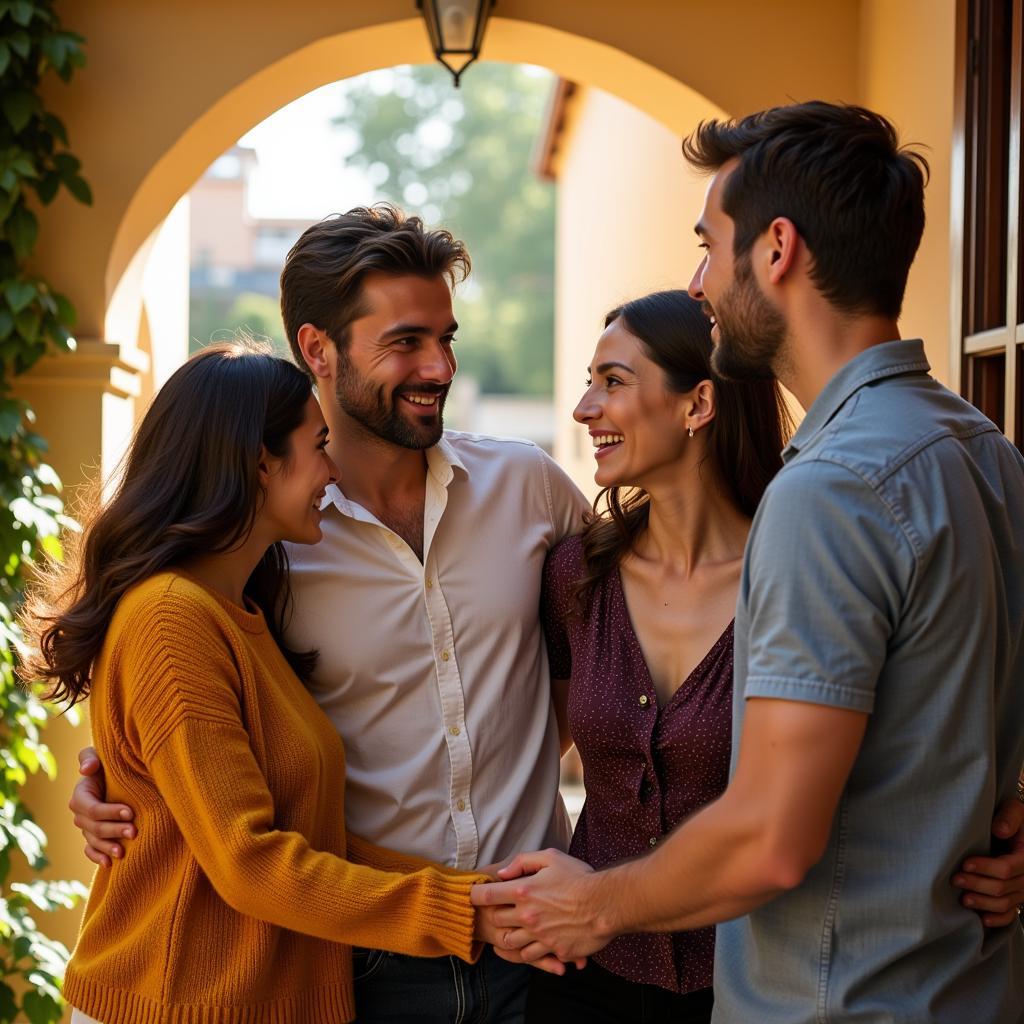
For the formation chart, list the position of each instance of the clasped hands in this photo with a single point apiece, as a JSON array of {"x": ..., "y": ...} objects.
[{"x": 540, "y": 911}]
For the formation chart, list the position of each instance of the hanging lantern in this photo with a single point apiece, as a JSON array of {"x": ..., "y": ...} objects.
[{"x": 456, "y": 30}]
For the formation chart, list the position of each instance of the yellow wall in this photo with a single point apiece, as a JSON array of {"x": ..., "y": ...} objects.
[
  {"x": 627, "y": 204},
  {"x": 907, "y": 71}
]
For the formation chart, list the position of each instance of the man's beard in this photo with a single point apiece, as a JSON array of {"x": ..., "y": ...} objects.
[
  {"x": 369, "y": 406},
  {"x": 751, "y": 331}
]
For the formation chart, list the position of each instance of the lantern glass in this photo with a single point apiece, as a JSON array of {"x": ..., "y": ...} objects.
[
  {"x": 456, "y": 30},
  {"x": 458, "y": 24}
]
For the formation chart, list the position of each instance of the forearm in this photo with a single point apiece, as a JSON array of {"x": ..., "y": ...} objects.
[
  {"x": 722, "y": 863},
  {"x": 362, "y": 851},
  {"x": 278, "y": 876}
]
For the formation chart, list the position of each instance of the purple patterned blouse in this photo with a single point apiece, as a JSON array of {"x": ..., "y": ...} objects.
[{"x": 645, "y": 768}]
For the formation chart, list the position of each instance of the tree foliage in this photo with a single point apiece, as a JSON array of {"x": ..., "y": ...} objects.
[
  {"x": 221, "y": 315},
  {"x": 34, "y": 165},
  {"x": 463, "y": 158}
]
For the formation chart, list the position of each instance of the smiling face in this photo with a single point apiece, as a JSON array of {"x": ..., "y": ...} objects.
[
  {"x": 294, "y": 485},
  {"x": 394, "y": 373},
  {"x": 636, "y": 424},
  {"x": 748, "y": 330}
]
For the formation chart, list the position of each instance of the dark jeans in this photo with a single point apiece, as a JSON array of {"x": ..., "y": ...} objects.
[
  {"x": 597, "y": 996},
  {"x": 392, "y": 989}
]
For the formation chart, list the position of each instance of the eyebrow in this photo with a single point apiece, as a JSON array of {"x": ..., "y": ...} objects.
[
  {"x": 402, "y": 330},
  {"x": 605, "y": 367}
]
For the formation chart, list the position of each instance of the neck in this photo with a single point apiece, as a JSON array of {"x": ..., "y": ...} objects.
[
  {"x": 227, "y": 572},
  {"x": 373, "y": 471},
  {"x": 819, "y": 346},
  {"x": 691, "y": 521}
]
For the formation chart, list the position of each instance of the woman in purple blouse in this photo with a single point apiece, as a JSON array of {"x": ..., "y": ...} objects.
[{"x": 638, "y": 615}]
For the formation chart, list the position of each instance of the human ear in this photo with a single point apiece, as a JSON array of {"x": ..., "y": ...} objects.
[
  {"x": 783, "y": 241},
  {"x": 701, "y": 406},
  {"x": 316, "y": 350},
  {"x": 267, "y": 465}
]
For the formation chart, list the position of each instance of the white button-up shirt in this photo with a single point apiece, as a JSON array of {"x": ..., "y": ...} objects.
[{"x": 435, "y": 673}]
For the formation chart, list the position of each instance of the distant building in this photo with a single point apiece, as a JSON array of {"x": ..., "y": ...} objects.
[{"x": 230, "y": 249}]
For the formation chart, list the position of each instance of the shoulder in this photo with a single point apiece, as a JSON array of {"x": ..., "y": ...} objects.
[
  {"x": 562, "y": 571},
  {"x": 171, "y": 611},
  {"x": 565, "y": 560},
  {"x": 163, "y": 592},
  {"x": 511, "y": 451}
]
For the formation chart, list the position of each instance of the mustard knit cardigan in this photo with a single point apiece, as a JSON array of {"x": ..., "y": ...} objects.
[{"x": 241, "y": 896}]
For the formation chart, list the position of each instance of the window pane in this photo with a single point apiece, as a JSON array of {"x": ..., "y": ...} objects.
[
  {"x": 988, "y": 377},
  {"x": 1018, "y": 398},
  {"x": 989, "y": 119}
]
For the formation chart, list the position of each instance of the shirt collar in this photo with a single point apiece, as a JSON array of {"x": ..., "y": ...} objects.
[
  {"x": 890, "y": 359},
  {"x": 442, "y": 461}
]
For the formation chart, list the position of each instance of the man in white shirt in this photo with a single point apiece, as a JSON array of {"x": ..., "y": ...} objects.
[{"x": 423, "y": 596}]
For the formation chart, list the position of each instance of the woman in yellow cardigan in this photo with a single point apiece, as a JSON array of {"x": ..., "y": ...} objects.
[{"x": 242, "y": 896}]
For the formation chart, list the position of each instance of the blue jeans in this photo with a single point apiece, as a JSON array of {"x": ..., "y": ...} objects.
[{"x": 392, "y": 989}]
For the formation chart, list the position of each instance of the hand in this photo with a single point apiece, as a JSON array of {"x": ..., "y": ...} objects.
[
  {"x": 486, "y": 930},
  {"x": 994, "y": 886},
  {"x": 550, "y": 912},
  {"x": 100, "y": 822}
]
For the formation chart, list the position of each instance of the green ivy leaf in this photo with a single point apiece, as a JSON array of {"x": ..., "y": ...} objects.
[
  {"x": 47, "y": 187},
  {"x": 41, "y": 1009},
  {"x": 8, "y": 1007},
  {"x": 27, "y": 325},
  {"x": 55, "y": 126},
  {"x": 66, "y": 164},
  {"x": 5, "y": 57},
  {"x": 19, "y": 294},
  {"x": 6, "y": 324},
  {"x": 22, "y": 230},
  {"x": 7, "y": 202},
  {"x": 20, "y": 43},
  {"x": 10, "y": 419},
  {"x": 22, "y": 11},
  {"x": 79, "y": 188},
  {"x": 65, "y": 311},
  {"x": 18, "y": 107}
]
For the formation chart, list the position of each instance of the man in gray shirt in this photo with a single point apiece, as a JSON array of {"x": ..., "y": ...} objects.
[{"x": 879, "y": 652}]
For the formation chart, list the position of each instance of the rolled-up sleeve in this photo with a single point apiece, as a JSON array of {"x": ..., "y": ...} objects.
[{"x": 828, "y": 571}]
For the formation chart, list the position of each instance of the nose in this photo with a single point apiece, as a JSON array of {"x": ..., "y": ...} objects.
[
  {"x": 588, "y": 408},
  {"x": 696, "y": 285},
  {"x": 333, "y": 473},
  {"x": 438, "y": 364}
]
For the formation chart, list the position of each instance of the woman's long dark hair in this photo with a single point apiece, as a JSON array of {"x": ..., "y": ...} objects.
[
  {"x": 189, "y": 486},
  {"x": 745, "y": 439}
]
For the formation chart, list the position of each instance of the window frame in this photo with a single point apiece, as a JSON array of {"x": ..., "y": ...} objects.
[{"x": 967, "y": 172}]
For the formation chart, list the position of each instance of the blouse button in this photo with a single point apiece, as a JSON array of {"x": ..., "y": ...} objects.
[
  {"x": 653, "y": 840},
  {"x": 643, "y": 700}
]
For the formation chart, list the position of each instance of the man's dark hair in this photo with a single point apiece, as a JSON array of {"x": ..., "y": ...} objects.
[
  {"x": 839, "y": 174},
  {"x": 322, "y": 280}
]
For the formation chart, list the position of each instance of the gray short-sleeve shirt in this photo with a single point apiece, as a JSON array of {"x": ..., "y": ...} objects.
[{"x": 885, "y": 574}]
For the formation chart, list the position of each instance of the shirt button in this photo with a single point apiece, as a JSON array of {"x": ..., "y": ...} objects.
[
  {"x": 653, "y": 840},
  {"x": 430, "y": 583},
  {"x": 444, "y": 655},
  {"x": 454, "y": 730},
  {"x": 461, "y": 804},
  {"x": 643, "y": 700}
]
